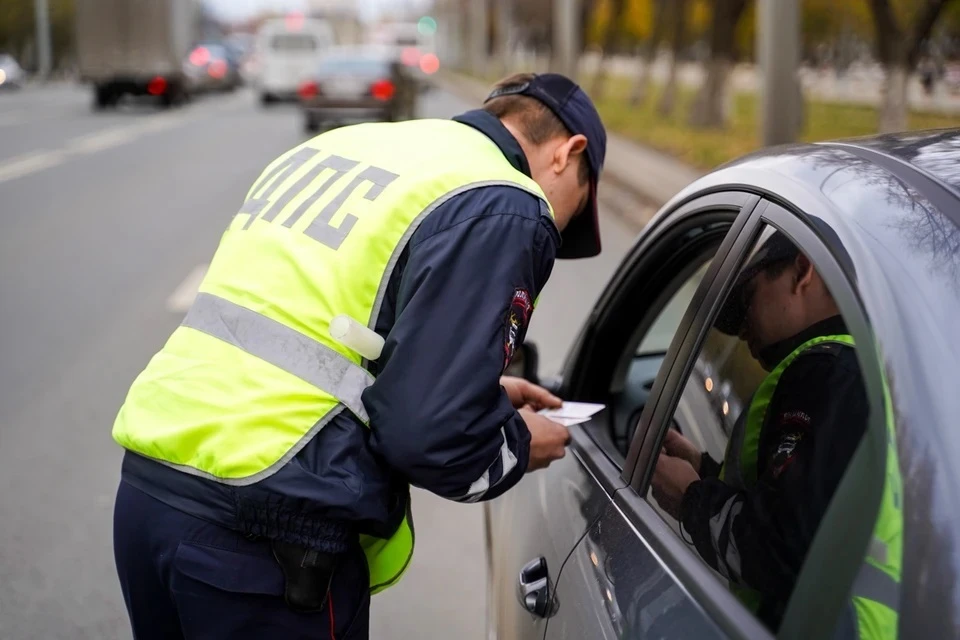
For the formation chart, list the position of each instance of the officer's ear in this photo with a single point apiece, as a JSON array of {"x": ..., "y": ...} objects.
[
  {"x": 803, "y": 276},
  {"x": 567, "y": 152}
]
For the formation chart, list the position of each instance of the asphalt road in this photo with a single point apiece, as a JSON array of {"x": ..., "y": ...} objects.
[{"x": 106, "y": 221}]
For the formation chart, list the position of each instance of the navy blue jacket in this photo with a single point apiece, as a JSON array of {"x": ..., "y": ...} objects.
[{"x": 458, "y": 301}]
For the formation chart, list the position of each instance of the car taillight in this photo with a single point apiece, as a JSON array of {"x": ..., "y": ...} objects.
[
  {"x": 217, "y": 69},
  {"x": 429, "y": 64},
  {"x": 308, "y": 90},
  {"x": 157, "y": 86},
  {"x": 200, "y": 56},
  {"x": 382, "y": 90},
  {"x": 410, "y": 56}
]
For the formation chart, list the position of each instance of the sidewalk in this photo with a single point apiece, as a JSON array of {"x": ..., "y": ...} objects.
[{"x": 649, "y": 176}]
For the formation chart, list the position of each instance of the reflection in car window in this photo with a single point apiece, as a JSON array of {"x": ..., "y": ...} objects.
[
  {"x": 660, "y": 335},
  {"x": 629, "y": 397},
  {"x": 764, "y": 428}
]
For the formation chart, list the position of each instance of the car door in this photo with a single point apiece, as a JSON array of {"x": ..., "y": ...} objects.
[
  {"x": 609, "y": 583},
  {"x": 546, "y": 515},
  {"x": 635, "y": 573}
]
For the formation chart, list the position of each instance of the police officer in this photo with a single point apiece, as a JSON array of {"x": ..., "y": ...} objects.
[
  {"x": 265, "y": 483},
  {"x": 753, "y": 518}
]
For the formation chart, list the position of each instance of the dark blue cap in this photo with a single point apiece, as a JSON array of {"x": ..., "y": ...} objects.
[{"x": 581, "y": 238}]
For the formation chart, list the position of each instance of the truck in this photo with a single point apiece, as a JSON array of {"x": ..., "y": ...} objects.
[{"x": 136, "y": 47}]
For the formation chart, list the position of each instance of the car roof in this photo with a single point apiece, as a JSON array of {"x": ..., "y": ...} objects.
[{"x": 893, "y": 202}]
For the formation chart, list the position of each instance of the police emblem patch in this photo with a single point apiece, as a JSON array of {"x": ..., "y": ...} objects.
[{"x": 515, "y": 325}]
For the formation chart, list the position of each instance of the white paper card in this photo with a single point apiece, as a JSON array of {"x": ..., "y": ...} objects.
[{"x": 573, "y": 412}]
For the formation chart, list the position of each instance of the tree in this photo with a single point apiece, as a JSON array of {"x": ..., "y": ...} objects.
[
  {"x": 899, "y": 42},
  {"x": 649, "y": 56},
  {"x": 709, "y": 108},
  {"x": 678, "y": 23},
  {"x": 611, "y": 33}
]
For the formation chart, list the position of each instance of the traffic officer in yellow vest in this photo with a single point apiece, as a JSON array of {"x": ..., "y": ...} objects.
[
  {"x": 754, "y": 517},
  {"x": 271, "y": 443}
]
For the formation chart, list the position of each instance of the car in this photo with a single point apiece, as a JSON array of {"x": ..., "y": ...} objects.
[
  {"x": 414, "y": 45},
  {"x": 355, "y": 84},
  {"x": 213, "y": 66},
  {"x": 287, "y": 51},
  {"x": 582, "y": 549},
  {"x": 11, "y": 75}
]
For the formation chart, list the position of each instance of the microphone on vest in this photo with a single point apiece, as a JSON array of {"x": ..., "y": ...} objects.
[{"x": 356, "y": 337}]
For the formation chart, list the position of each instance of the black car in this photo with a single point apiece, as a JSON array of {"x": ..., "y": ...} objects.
[
  {"x": 356, "y": 84},
  {"x": 583, "y": 550}
]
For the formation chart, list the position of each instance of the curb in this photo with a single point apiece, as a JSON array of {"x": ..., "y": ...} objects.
[{"x": 649, "y": 176}]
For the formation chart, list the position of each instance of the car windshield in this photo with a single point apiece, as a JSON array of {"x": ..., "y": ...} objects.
[
  {"x": 354, "y": 66},
  {"x": 294, "y": 42}
]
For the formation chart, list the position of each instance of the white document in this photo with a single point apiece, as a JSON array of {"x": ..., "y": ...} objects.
[{"x": 572, "y": 413}]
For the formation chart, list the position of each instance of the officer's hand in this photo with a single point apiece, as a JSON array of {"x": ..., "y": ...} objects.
[
  {"x": 671, "y": 478},
  {"x": 548, "y": 440},
  {"x": 674, "y": 444},
  {"x": 523, "y": 393}
]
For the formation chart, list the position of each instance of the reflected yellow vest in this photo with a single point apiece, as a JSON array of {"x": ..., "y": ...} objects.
[
  {"x": 252, "y": 374},
  {"x": 876, "y": 590}
]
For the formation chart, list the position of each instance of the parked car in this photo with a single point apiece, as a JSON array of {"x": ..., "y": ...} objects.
[
  {"x": 11, "y": 75},
  {"x": 355, "y": 84},
  {"x": 287, "y": 51},
  {"x": 583, "y": 550}
]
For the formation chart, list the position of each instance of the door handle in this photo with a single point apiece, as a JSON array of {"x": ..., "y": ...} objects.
[{"x": 534, "y": 589}]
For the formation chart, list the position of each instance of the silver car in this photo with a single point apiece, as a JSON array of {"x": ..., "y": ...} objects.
[{"x": 584, "y": 550}]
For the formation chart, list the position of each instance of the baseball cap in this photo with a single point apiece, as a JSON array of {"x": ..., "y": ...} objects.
[
  {"x": 565, "y": 98},
  {"x": 776, "y": 249}
]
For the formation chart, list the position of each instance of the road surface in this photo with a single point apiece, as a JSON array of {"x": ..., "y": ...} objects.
[{"x": 107, "y": 221}]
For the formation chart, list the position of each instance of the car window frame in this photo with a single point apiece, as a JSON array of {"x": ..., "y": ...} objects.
[
  {"x": 732, "y": 201},
  {"x": 856, "y": 502}
]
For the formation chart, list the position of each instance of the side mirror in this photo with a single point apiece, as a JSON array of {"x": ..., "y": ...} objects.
[{"x": 525, "y": 363}]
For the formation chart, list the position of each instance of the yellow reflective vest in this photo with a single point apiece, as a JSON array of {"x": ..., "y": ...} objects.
[{"x": 252, "y": 374}]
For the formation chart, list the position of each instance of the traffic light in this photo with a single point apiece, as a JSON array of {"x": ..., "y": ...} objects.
[{"x": 427, "y": 26}]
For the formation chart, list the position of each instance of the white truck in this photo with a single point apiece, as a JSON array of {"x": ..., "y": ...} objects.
[{"x": 136, "y": 47}]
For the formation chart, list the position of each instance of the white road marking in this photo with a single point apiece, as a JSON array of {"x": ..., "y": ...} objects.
[
  {"x": 101, "y": 140},
  {"x": 30, "y": 163},
  {"x": 184, "y": 295}
]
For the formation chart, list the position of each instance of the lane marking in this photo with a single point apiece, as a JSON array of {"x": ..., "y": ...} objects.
[
  {"x": 183, "y": 296},
  {"x": 30, "y": 163}
]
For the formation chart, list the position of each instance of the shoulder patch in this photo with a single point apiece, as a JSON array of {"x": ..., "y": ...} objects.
[{"x": 515, "y": 324}]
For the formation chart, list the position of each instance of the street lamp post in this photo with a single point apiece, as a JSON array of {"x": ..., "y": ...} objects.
[
  {"x": 778, "y": 49},
  {"x": 42, "y": 19}
]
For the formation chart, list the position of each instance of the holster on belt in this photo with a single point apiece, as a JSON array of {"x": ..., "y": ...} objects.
[{"x": 307, "y": 574}]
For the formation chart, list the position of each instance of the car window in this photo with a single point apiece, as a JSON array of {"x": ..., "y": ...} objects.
[
  {"x": 629, "y": 397},
  {"x": 766, "y": 422},
  {"x": 358, "y": 66},
  {"x": 658, "y": 337},
  {"x": 294, "y": 42}
]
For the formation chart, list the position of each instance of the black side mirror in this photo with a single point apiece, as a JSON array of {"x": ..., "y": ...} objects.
[{"x": 525, "y": 363}]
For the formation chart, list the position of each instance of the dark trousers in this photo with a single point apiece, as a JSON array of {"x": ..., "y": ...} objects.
[{"x": 183, "y": 577}]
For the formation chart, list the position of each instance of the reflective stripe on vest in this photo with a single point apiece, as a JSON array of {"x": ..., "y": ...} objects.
[
  {"x": 876, "y": 590},
  {"x": 252, "y": 374}
]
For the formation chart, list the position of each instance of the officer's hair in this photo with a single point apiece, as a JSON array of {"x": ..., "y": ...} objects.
[{"x": 536, "y": 121}]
